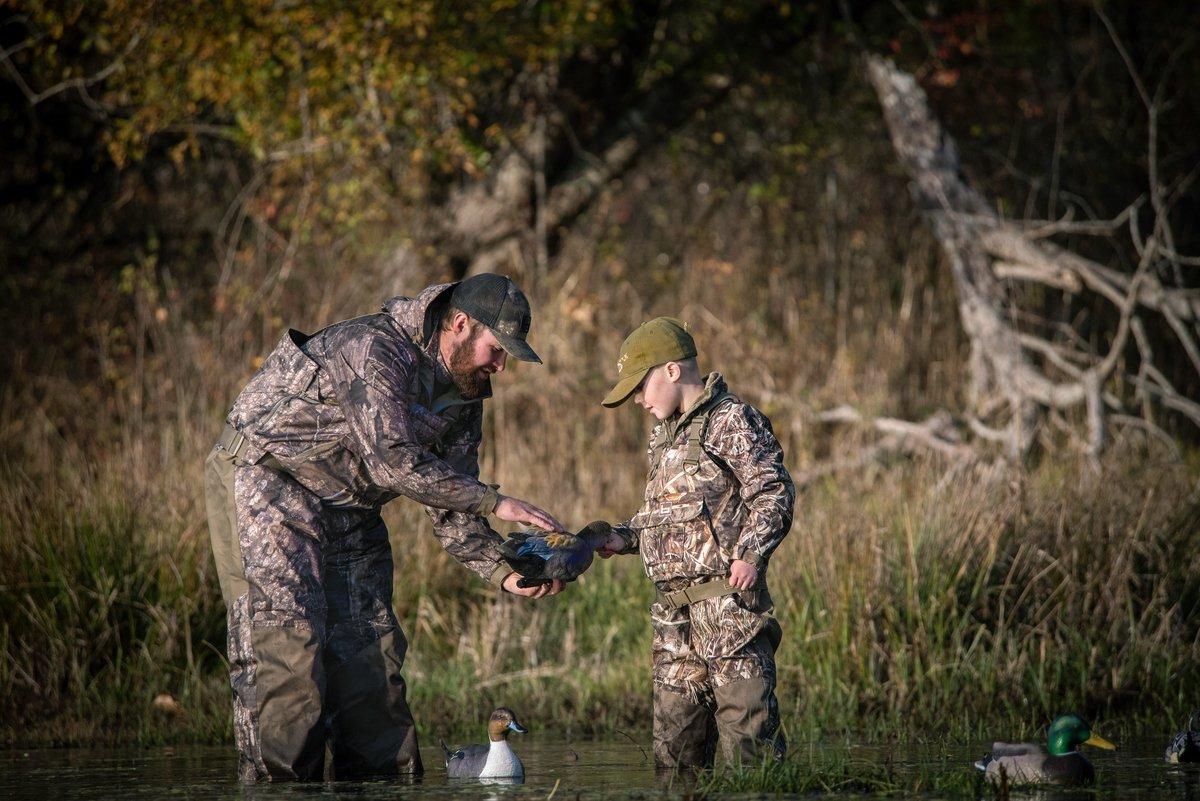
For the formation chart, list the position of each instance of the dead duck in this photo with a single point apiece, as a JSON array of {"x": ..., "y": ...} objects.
[
  {"x": 1059, "y": 763},
  {"x": 492, "y": 761},
  {"x": 541, "y": 557},
  {"x": 1185, "y": 746}
]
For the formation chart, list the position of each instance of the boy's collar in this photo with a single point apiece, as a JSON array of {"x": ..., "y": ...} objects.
[{"x": 714, "y": 385}]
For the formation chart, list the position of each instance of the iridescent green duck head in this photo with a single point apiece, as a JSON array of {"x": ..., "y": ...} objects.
[{"x": 1068, "y": 732}]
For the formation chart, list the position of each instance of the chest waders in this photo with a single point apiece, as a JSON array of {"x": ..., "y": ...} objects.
[
  {"x": 697, "y": 425},
  {"x": 714, "y": 656}
]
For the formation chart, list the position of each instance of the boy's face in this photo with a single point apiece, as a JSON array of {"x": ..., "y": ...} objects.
[{"x": 660, "y": 393}]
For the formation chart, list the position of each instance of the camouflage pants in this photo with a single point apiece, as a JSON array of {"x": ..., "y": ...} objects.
[
  {"x": 315, "y": 651},
  {"x": 714, "y": 681}
]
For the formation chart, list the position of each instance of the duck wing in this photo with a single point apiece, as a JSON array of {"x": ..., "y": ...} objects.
[
  {"x": 1017, "y": 749},
  {"x": 543, "y": 557},
  {"x": 1018, "y": 763},
  {"x": 466, "y": 762},
  {"x": 1184, "y": 747}
]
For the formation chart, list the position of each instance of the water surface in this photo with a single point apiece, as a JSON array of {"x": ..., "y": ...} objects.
[{"x": 616, "y": 769}]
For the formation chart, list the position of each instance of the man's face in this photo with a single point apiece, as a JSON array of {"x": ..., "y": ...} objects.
[
  {"x": 659, "y": 393},
  {"x": 475, "y": 354}
]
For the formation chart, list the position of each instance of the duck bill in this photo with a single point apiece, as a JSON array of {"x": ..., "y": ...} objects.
[
  {"x": 1099, "y": 742},
  {"x": 517, "y": 727}
]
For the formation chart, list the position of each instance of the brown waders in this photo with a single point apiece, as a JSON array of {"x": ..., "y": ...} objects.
[
  {"x": 315, "y": 651},
  {"x": 714, "y": 680}
]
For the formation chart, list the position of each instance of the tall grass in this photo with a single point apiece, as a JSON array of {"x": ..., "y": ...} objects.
[
  {"x": 913, "y": 599},
  {"x": 911, "y": 603}
]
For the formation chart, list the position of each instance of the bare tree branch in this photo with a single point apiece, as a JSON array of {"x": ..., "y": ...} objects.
[{"x": 81, "y": 84}]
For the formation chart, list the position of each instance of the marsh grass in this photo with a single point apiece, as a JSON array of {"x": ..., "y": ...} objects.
[
  {"x": 916, "y": 600},
  {"x": 831, "y": 771}
]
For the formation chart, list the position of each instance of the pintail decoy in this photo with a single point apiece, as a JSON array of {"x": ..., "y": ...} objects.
[
  {"x": 491, "y": 761},
  {"x": 540, "y": 556},
  {"x": 1031, "y": 763},
  {"x": 1185, "y": 746}
]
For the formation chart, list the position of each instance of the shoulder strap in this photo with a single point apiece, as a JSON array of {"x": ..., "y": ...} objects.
[
  {"x": 657, "y": 445},
  {"x": 695, "y": 436},
  {"x": 696, "y": 428}
]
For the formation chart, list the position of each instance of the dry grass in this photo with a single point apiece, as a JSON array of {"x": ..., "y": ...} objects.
[{"x": 911, "y": 597}]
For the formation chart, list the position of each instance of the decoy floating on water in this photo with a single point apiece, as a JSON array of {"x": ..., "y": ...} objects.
[
  {"x": 1031, "y": 763},
  {"x": 1185, "y": 746},
  {"x": 540, "y": 556},
  {"x": 492, "y": 761}
]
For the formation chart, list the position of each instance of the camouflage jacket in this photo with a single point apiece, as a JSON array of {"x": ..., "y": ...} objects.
[
  {"x": 364, "y": 411},
  {"x": 733, "y": 502}
]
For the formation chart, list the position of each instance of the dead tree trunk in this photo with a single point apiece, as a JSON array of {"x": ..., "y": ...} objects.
[{"x": 1019, "y": 377}]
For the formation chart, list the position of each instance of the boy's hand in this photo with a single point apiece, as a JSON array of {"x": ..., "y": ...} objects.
[
  {"x": 540, "y": 591},
  {"x": 610, "y": 547},
  {"x": 518, "y": 511},
  {"x": 742, "y": 575}
]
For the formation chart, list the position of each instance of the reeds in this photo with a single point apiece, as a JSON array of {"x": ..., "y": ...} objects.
[
  {"x": 910, "y": 603},
  {"x": 914, "y": 598}
]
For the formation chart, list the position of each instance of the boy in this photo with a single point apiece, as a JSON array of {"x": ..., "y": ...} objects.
[{"x": 718, "y": 502}]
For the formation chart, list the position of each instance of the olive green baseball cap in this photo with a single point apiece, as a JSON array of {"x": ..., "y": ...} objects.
[{"x": 655, "y": 342}]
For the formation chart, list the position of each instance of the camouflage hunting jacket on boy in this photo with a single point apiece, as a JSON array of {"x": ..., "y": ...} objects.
[
  {"x": 714, "y": 494},
  {"x": 364, "y": 411}
]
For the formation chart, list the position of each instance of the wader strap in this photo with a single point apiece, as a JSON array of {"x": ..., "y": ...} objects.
[
  {"x": 697, "y": 592},
  {"x": 234, "y": 443},
  {"x": 232, "y": 440},
  {"x": 695, "y": 437}
]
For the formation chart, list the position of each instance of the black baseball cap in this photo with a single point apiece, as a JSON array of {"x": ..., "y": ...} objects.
[{"x": 495, "y": 301}]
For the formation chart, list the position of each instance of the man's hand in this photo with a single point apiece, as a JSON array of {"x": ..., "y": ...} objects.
[
  {"x": 540, "y": 591},
  {"x": 517, "y": 511},
  {"x": 742, "y": 575}
]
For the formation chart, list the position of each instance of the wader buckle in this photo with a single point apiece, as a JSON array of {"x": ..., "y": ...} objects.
[{"x": 231, "y": 440}]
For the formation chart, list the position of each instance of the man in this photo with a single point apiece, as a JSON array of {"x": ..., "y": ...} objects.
[{"x": 331, "y": 428}]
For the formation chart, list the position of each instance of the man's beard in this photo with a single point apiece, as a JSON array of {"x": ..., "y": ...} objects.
[{"x": 472, "y": 382}]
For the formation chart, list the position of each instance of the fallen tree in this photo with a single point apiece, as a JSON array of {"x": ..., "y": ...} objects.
[{"x": 1026, "y": 371}]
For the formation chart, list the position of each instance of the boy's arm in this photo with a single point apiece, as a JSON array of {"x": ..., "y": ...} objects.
[{"x": 741, "y": 437}]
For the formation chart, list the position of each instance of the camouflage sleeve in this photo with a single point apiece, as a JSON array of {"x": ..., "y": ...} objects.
[
  {"x": 465, "y": 536},
  {"x": 371, "y": 375},
  {"x": 628, "y": 536},
  {"x": 741, "y": 437}
]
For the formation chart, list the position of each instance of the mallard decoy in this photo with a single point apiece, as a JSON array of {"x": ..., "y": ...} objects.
[
  {"x": 1061, "y": 763},
  {"x": 1185, "y": 746},
  {"x": 540, "y": 556},
  {"x": 492, "y": 761}
]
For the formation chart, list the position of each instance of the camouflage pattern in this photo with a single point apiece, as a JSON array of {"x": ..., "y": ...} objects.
[
  {"x": 734, "y": 503},
  {"x": 726, "y": 497},
  {"x": 716, "y": 655},
  {"x": 336, "y": 425},
  {"x": 313, "y": 642},
  {"x": 364, "y": 411}
]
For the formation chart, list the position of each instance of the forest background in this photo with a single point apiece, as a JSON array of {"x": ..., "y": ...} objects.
[{"x": 182, "y": 182}]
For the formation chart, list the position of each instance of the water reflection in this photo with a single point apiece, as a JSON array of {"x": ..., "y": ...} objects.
[{"x": 615, "y": 769}]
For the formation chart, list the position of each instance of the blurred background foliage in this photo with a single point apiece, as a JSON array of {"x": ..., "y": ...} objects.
[{"x": 182, "y": 181}]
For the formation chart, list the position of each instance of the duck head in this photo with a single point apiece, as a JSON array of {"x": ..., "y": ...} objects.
[
  {"x": 1194, "y": 721},
  {"x": 502, "y": 721},
  {"x": 1068, "y": 732}
]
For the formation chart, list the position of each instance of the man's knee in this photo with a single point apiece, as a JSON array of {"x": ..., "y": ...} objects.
[
  {"x": 684, "y": 735},
  {"x": 747, "y": 718},
  {"x": 373, "y": 728}
]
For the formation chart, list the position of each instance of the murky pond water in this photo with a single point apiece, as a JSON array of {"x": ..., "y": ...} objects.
[{"x": 605, "y": 769}]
